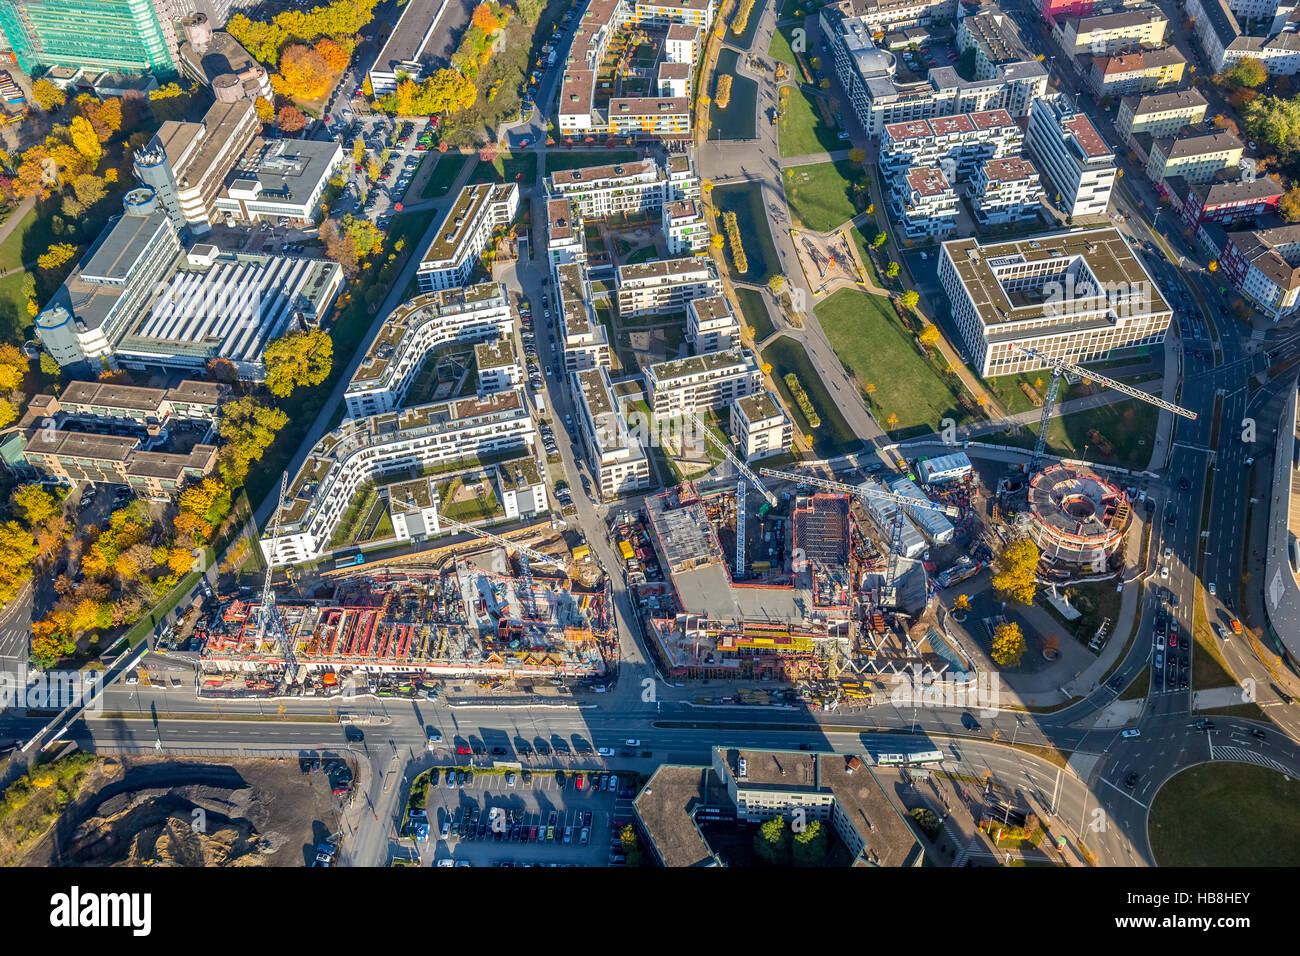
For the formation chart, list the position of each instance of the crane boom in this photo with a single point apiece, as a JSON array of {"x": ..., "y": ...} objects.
[
  {"x": 537, "y": 556},
  {"x": 731, "y": 457},
  {"x": 1059, "y": 365},
  {"x": 268, "y": 622},
  {"x": 910, "y": 502}
]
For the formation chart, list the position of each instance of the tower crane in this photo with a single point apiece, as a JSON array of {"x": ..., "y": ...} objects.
[
  {"x": 1060, "y": 367},
  {"x": 740, "y": 490},
  {"x": 525, "y": 554},
  {"x": 268, "y": 616},
  {"x": 896, "y": 531}
]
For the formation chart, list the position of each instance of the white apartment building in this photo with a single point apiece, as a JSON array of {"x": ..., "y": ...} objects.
[
  {"x": 674, "y": 80},
  {"x": 582, "y": 335},
  {"x": 414, "y": 505},
  {"x": 760, "y": 427},
  {"x": 962, "y": 142},
  {"x": 695, "y": 13},
  {"x": 381, "y": 446},
  {"x": 1004, "y": 191},
  {"x": 564, "y": 234},
  {"x": 711, "y": 325},
  {"x": 701, "y": 382},
  {"x": 682, "y": 43},
  {"x": 867, "y": 73},
  {"x": 1079, "y": 166},
  {"x": 522, "y": 486},
  {"x": 616, "y": 455},
  {"x": 599, "y": 191},
  {"x": 1074, "y": 295},
  {"x": 682, "y": 181},
  {"x": 430, "y": 321},
  {"x": 499, "y": 367},
  {"x": 1264, "y": 265},
  {"x": 1274, "y": 42},
  {"x": 465, "y": 232},
  {"x": 665, "y": 285},
  {"x": 885, "y": 15},
  {"x": 923, "y": 202},
  {"x": 685, "y": 230}
]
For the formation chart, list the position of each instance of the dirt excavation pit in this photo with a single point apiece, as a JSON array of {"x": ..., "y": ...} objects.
[{"x": 137, "y": 811}]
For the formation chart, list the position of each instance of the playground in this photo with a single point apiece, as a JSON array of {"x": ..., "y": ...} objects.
[{"x": 829, "y": 261}]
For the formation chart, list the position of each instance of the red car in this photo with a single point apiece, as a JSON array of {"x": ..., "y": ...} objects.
[
  {"x": 463, "y": 750},
  {"x": 578, "y": 782},
  {"x": 1173, "y": 640}
]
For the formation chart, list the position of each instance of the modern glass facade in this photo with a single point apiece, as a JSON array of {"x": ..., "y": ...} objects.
[{"x": 124, "y": 36}]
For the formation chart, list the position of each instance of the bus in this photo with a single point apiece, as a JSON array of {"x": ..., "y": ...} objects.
[
  {"x": 349, "y": 560},
  {"x": 919, "y": 759}
]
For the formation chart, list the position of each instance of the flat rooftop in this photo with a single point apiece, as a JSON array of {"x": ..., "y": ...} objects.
[
  {"x": 759, "y": 406},
  {"x": 595, "y": 175}
]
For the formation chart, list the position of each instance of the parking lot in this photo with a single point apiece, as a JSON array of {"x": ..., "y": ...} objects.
[
  {"x": 376, "y": 201},
  {"x": 522, "y": 818}
]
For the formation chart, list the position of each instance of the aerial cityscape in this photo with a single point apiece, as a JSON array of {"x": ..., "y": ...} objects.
[{"x": 650, "y": 433}]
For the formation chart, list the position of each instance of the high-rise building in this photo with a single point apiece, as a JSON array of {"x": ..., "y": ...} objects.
[{"x": 123, "y": 36}]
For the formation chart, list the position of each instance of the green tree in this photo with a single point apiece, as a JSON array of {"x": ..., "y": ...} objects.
[
  {"x": 1247, "y": 72},
  {"x": 880, "y": 239},
  {"x": 299, "y": 358},
  {"x": 1274, "y": 120},
  {"x": 1008, "y": 644},
  {"x": 247, "y": 428},
  {"x": 892, "y": 271},
  {"x": 810, "y": 845},
  {"x": 772, "y": 842},
  {"x": 1015, "y": 569}
]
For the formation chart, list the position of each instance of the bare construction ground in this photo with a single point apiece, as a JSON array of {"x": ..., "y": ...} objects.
[{"x": 135, "y": 811}]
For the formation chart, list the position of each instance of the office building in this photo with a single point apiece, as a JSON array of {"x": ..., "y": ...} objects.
[
  {"x": 1068, "y": 150},
  {"x": 118, "y": 36},
  {"x": 431, "y": 321},
  {"x": 186, "y": 164},
  {"x": 218, "y": 61},
  {"x": 616, "y": 455},
  {"x": 1074, "y": 295},
  {"x": 280, "y": 179},
  {"x": 465, "y": 233},
  {"x": 377, "y": 447},
  {"x": 711, "y": 325},
  {"x": 701, "y": 382},
  {"x": 1226, "y": 203},
  {"x": 407, "y": 49},
  {"x": 665, "y": 285},
  {"x": 760, "y": 427}
]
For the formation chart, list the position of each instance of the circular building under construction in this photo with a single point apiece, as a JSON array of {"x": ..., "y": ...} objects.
[{"x": 1076, "y": 517}]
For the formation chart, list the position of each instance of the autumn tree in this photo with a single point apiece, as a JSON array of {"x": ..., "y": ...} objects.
[
  {"x": 1015, "y": 569},
  {"x": 17, "y": 552},
  {"x": 48, "y": 96},
  {"x": 265, "y": 110},
  {"x": 303, "y": 73},
  {"x": 1289, "y": 205},
  {"x": 170, "y": 102},
  {"x": 291, "y": 120},
  {"x": 910, "y": 299},
  {"x": 962, "y": 604},
  {"x": 13, "y": 366},
  {"x": 1008, "y": 644},
  {"x": 299, "y": 358},
  {"x": 333, "y": 55},
  {"x": 857, "y": 155},
  {"x": 1247, "y": 72},
  {"x": 34, "y": 504},
  {"x": 247, "y": 428},
  {"x": 929, "y": 334},
  {"x": 893, "y": 270}
]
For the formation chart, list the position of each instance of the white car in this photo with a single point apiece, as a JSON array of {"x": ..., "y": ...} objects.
[
  {"x": 632, "y": 742},
  {"x": 1164, "y": 571},
  {"x": 1160, "y": 642},
  {"x": 447, "y": 862},
  {"x": 1212, "y": 591},
  {"x": 605, "y": 751},
  {"x": 1126, "y": 734},
  {"x": 1169, "y": 553}
]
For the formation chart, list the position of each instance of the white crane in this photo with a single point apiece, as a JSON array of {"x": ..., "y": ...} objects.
[
  {"x": 525, "y": 553},
  {"x": 268, "y": 616},
  {"x": 903, "y": 501},
  {"x": 1060, "y": 367},
  {"x": 741, "y": 544}
]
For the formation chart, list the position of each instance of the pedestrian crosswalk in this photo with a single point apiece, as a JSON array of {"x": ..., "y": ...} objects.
[{"x": 1246, "y": 755}]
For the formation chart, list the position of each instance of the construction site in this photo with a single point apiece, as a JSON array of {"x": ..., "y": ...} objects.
[
  {"x": 478, "y": 616},
  {"x": 819, "y": 611}
]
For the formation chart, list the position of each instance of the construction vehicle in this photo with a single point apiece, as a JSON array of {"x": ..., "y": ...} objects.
[
  {"x": 888, "y": 597},
  {"x": 1059, "y": 367}
]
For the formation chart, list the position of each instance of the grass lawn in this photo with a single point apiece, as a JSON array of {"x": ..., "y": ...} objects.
[
  {"x": 1138, "y": 689},
  {"x": 14, "y": 320},
  {"x": 755, "y": 313},
  {"x": 1129, "y": 426},
  {"x": 802, "y": 128},
  {"x": 793, "y": 8},
  {"x": 1209, "y": 669},
  {"x": 862, "y": 235},
  {"x": 780, "y": 49},
  {"x": 867, "y": 336},
  {"x": 643, "y": 255},
  {"x": 31, "y": 236},
  {"x": 737, "y": 120},
  {"x": 821, "y": 196},
  {"x": 834, "y": 437},
  {"x": 506, "y": 167},
  {"x": 444, "y": 174},
  {"x": 558, "y": 158},
  {"x": 746, "y": 201},
  {"x": 1226, "y": 814}
]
